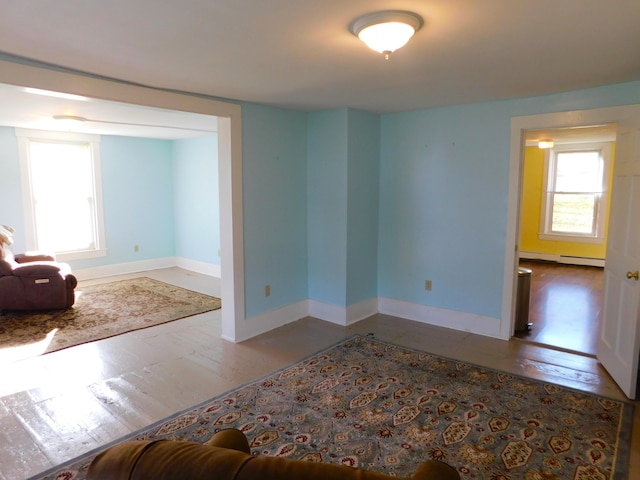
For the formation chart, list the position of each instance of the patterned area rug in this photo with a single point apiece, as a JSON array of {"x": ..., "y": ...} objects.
[
  {"x": 100, "y": 311},
  {"x": 383, "y": 407}
]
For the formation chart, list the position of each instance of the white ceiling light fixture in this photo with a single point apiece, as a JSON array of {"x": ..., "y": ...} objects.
[
  {"x": 69, "y": 118},
  {"x": 544, "y": 144},
  {"x": 69, "y": 122},
  {"x": 386, "y": 31}
]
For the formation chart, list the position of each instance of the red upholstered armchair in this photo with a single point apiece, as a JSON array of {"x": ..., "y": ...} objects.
[{"x": 33, "y": 281}]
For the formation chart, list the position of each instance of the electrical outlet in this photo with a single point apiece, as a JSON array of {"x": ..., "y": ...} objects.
[
  {"x": 267, "y": 290},
  {"x": 427, "y": 285}
]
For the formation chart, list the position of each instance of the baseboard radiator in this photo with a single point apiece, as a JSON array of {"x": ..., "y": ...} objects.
[{"x": 566, "y": 259}]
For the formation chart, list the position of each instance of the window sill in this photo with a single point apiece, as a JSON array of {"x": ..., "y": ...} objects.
[{"x": 570, "y": 238}]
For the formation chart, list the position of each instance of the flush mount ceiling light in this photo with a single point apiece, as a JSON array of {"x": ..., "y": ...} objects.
[
  {"x": 545, "y": 144},
  {"x": 69, "y": 118},
  {"x": 386, "y": 31},
  {"x": 69, "y": 122}
]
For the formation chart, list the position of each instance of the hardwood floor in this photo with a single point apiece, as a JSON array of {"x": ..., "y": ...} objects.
[
  {"x": 58, "y": 406},
  {"x": 566, "y": 306}
]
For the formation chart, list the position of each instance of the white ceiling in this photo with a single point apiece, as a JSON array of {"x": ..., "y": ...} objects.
[{"x": 300, "y": 54}]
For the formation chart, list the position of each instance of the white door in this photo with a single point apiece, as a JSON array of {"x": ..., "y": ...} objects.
[{"x": 619, "y": 340}]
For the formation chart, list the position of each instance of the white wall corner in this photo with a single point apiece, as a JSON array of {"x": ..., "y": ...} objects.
[
  {"x": 362, "y": 310},
  {"x": 209, "y": 269},
  {"x": 466, "y": 322},
  {"x": 124, "y": 268},
  {"x": 343, "y": 315},
  {"x": 328, "y": 312},
  {"x": 267, "y": 321}
]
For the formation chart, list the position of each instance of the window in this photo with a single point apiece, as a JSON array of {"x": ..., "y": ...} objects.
[
  {"x": 62, "y": 194},
  {"x": 576, "y": 179}
]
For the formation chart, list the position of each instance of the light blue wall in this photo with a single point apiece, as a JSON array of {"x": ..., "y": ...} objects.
[
  {"x": 362, "y": 206},
  {"x": 443, "y": 176},
  {"x": 600, "y": 97},
  {"x": 443, "y": 187},
  {"x": 137, "y": 195},
  {"x": 343, "y": 183},
  {"x": 274, "y": 149},
  {"x": 443, "y": 197},
  {"x": 443, "y": 209},
  {"x": 196, "y": 199},
  {"x": 327, "y": 180},
  {"x": 137, "y": 184},
  {"x": 139, "y": 179}
]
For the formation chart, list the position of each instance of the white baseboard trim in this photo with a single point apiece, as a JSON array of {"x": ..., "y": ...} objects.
[
  {"x": 466, "y": 322},
  {"x": 270, "y": 320},
  {"x": 124, "y": 268},
  {"x": 145, "y": 265},
  {"x": 362, "y": 310},
  {"x": 343, "y": 315},
  {"x": 290, "y": 313},
  {"x": 565, "y": 259},
  {"x": 199, "y": 267}
]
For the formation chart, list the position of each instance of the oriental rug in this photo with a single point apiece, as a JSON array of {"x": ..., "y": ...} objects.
[
  {"x": 100, "y": 311},
  {"x": 383, "y": 407}
]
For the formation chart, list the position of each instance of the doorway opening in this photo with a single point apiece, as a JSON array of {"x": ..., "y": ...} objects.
[
  {"x": 229, "y": 154},
  {"x": 565, "y": 306},
  {"x": 618, "y": 342},
  {"x": 564, "y": 255}
]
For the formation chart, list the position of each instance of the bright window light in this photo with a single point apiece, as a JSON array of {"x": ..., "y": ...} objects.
[
  {"x": 61, "y": 180},
  {"x": 63, "y": 194},
  {"x": 574, "y": 207}
]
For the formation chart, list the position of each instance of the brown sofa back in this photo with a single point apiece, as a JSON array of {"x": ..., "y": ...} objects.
[{"x": 228, "y": 459}]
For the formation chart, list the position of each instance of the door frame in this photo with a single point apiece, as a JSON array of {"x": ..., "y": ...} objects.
[
  {"x": 519, "y": 126},
  {"x": 229, "y": 161}
]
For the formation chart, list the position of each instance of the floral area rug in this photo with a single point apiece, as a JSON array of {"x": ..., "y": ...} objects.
[
  {"x": 378, "y": 406},
  {"x": 100, "y": 311}
]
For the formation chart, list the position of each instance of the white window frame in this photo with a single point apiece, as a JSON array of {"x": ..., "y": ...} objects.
[
  {"x": 601, "y": 201},
  {"x": 25, "y": 136}
]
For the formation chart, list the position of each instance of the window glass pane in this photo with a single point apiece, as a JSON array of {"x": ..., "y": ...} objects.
[
  {"x": 578, "y": 172},
  {"x": 573, "y": 213},
  {"x": 62, "y": 182}
]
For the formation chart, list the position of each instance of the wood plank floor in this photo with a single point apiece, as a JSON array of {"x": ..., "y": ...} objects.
[
  {"x": 566, "y": 306},
  {"x": 57, "y": 406}
]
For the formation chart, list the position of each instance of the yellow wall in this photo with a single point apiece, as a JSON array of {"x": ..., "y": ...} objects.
[{"x": 532, "y": 191}]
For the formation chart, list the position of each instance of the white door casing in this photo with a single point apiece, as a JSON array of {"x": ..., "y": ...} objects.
[
  {"x": 618, "y": 341},
  {"x": 619, "y": 338}
]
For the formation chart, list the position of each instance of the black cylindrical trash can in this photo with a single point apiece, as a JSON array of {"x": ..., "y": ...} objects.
[{"x": 522, "y": 299}]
